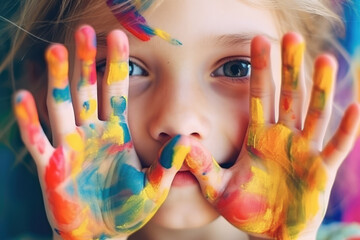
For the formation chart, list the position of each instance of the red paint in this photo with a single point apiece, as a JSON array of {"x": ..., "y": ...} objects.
[
  {"x": 113, "y": 149},
  {"x": 286, "y": 104},
  {"x": 92, "y": 77},
  {"x": 64, "y": 211},
  {"x": 156, "y": 175},
  {"x": 55, "y": 170},
  {"x": 240, "y": 207}
]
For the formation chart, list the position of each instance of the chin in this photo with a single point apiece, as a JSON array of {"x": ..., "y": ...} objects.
[{"x": 184, "y": 208}]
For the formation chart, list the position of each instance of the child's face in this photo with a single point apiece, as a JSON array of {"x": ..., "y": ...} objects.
[{"x": 200, "y": 88}]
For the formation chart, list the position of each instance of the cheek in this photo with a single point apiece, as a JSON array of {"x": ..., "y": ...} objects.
[{"x": 232, "y": 123}]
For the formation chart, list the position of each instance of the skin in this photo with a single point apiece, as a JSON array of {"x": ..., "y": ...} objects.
[{"x": 183, "y": 94}]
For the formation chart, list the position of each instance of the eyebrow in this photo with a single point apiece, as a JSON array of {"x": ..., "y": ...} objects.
[{"x": 241, "y": 38}]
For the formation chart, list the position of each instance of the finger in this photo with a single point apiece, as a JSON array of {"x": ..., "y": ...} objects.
[
  {"x": 293, "y": 84},
  {"x": 31, "y": 132},
  {"x": 60, "y": 108},
  {"x": 206, "y": 170},
  {"x": 116, "y": 77},
  {"x": 85, "y": 88},
  {"x": 162, "y": 172},
  {"x": 261, "y": 84},
  {"x": 319, "y": 111},
  {"x": 343, "y": 140}
]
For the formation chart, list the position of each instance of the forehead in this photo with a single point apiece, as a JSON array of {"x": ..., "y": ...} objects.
[{"x": 197, "y": 20}]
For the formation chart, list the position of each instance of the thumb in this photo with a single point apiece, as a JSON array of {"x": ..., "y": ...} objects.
[
  {"x": 162, "y": 172},
  {"x": 207, "y": 171}
]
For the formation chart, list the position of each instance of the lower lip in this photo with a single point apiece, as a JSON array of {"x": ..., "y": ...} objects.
[{"x": 184, "y": 178}]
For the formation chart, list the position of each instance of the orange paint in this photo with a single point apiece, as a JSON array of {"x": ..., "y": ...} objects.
[
  {"x": 292, "y": 56},
  {"x": 58, "y": 66}
]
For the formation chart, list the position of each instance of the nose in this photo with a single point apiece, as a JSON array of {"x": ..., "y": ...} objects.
[{"x": 180, "y": 109}]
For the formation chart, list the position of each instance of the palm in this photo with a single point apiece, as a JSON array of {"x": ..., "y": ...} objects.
[
  {"x": 92, "y": 182},
  {"x": 280, "y": 184}
]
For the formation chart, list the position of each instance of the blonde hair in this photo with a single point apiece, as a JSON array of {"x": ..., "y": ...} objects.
[{"x": 40, "y": 22}]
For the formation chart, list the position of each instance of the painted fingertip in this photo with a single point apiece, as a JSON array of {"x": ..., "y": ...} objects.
[
  {"x": 260, "y": 52},
  {"x": 351, "y": 119},
  {"x": 174, "y": 152},
  {"x": 118, "y": 46},
  {"x": 25, "y": 108},
  {"x": 324, "y": 79},
  {"x": 85, "y": 38},
  {"x": 293, "y": 38},
  {"x": 57, "y": 60},
  {"x": 118, "y": 55}
]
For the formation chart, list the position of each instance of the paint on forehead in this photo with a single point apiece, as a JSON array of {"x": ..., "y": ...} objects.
[
  {"x": 118, "y": 71},
  {"x": 128, "y": 13}
]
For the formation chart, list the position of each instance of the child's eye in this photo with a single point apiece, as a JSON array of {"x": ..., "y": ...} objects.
[
  {"x": 136, "y": 70},
  {"x": 238, "y": 69}
]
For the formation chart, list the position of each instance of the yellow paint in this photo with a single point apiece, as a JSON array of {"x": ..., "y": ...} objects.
[
  {"x": 75, "y": 142},
  {"x": 58, "y": 69},
  {"x": 88, "y": 113},
  {"x": 292, "y": 60},
  {"x": 114, "y": 132},
  {"x": 21, "y": 113},
  {"x": 86, "y": 69},
  {"x": 117, "y": 72},
  {"x": 322, "y": 87},
  {"x": 211, "y": 193},
  {"x": 180, "y": 152},
  {"x": 83, "y": 229},
  {"x": 257, "y": 112},
  {"x": 162, "y": 34},
  {"x": 278, "y": 178}
]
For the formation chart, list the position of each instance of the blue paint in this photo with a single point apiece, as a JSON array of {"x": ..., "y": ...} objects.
[
  {"x": 166, "y": 158},
  {"x": 86, "y": 105},
  {"x": 126, "y": 130},
  {"x": 118, "y": 104},
  {"x": 88, "y": 191},
  {"x": 92, "y": 126},
  {"x": 61, "y": 95}
]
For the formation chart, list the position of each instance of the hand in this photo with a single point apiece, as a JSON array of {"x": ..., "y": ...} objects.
[
  {"x": 92, "y": 181},
  {"x": 279, "y": 187}
]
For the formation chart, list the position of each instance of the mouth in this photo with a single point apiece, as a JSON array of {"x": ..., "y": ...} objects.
[{"x": 184, "y": 178}]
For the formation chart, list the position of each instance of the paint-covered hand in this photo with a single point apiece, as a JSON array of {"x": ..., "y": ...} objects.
[
  {"x": 92, "y": 181},
  {"x": 279, "y": 187}
]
